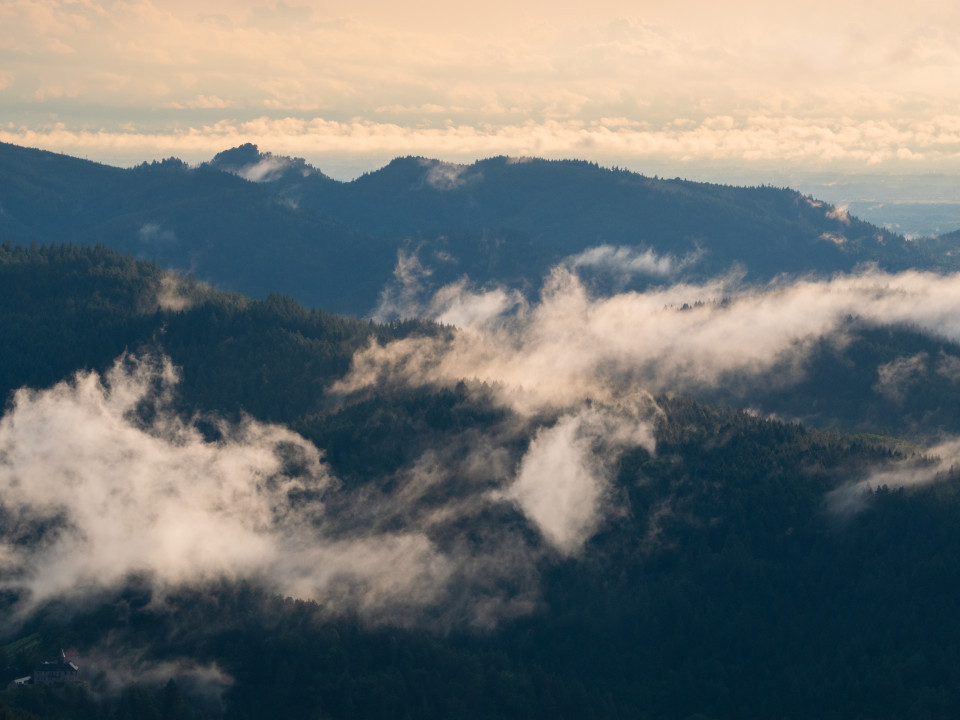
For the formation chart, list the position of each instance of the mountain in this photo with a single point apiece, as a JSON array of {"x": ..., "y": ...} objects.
[
  {"x": 258, "y": 223},
  {"x": 212, "y": 223},
  {"x": 205, "y": 561},
  {"x": 568, "y": 206},
  {"x": 70, "y": 308}
]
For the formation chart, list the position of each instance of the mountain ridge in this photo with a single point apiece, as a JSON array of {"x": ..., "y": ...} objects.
[{"x": 289, "y": 228}]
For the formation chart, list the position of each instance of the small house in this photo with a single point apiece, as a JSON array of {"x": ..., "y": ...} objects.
[{"x": 57, "y": 671}]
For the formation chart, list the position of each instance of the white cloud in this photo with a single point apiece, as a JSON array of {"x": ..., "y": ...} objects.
[
  {"x": 121, "y": 495},
  {"x": 835, "y": 238},
  {"x": 155, "y": 234},
  {"x": 625, "y": 262},
  {"x": 107, "y": 480},
  {"x": 593, "y": 360},
  {"x": 948, "y": 366},
  {"x": 267, "y": 169},
  {"x": 401, "y": 297},
  {"x": 840, "y": 213},
  {"x": 447, "y": 176},
  {"x": 894, "y": 377},
  {"x": 569, "y": 346},
  {"x": 919, "y": 468},
  {"x": 203, "y": 102},
  {"x": 562, "y": 481}
]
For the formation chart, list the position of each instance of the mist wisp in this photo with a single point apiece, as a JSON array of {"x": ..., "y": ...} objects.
[
  {"x": 570, "y": 345},
  {"x": 100, "y": 479}
]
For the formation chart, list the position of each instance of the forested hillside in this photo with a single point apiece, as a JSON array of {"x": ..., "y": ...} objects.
[
  {"x": 224, "y": 229},
  {"x": 729, "y": 565},
  {"x": 258, "y": 223},
  {"x": 68, "y": 308}
]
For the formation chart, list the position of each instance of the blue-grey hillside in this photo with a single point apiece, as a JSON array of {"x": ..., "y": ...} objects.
[
  {"x": 949, "y": 240},
  {"x": 256, "y": 223},
  {"x": 226, "y": 230}
]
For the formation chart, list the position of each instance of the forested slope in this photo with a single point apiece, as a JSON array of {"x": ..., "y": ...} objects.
[
  {"x": 740, "y": 567},
  {"x": 256, "y": 223},
  {"x": 69, "y": 308}
]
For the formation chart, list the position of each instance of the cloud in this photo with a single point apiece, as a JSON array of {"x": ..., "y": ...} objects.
[
  {"x": 919, "y": 468},
  {"x": 762, "y": 141},
  {"x": 407, "y": 295},
  {"x": 625, "y": 262},
  {"x": 596, "y": 361},
  {"x": 203, "y": 102},
  {"x": 111, "y": 666},
  {"x": 948, "y": 366},
  {"x": 175, "y": 293},
  {"x": 100, "y": 479},
  {"x": 113, "y": 482},
  {"x": 840, "y": 213},
  {"x": 447, "y": 176},
  {"x": 894, "y": 377},
  {"x": 512, "y": 80},
  {"x": 281, "y": 14},
  {"x": 268, "y": 168},
  {"x": 835, "y": 238},
  {"x": 570, "y": 346},
  {"x": 457, "y": 304},
  {"x": 401, "y": 297},
  {"x": 155, "y": 234},
  {"x": 562, "y": 482}
]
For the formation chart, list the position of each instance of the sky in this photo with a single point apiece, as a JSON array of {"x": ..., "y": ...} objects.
[{"x": 693, "y": 88}]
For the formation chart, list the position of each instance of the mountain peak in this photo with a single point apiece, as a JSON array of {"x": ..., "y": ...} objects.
[
  {"x": 238, "y": 157},
  {"x": 248, "y": 162}
]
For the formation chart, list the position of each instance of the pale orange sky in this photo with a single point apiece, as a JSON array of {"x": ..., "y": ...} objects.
[{"x": 851, "y": 86}]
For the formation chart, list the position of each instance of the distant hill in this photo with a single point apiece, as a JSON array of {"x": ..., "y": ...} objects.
[
  {"x": 949, "y": 240},
  {"x": 233, "y": 233},
  {"x": 254, "y": 222}
]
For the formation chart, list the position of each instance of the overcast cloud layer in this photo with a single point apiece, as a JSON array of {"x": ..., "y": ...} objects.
[{"x": 680, "y": 85}]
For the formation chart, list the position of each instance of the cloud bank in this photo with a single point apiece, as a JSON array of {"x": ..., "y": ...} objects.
[
  {"x": 562, "y": 481},
  {"x": 100, "y": 479},
  {"x": 768, "y": 142},
  {"x": 919, "y": 468},
  {"x": 600, "y": 81},
  {"x": 570, "y": 346},
  {"x": 625, "y": 262},
  {"x": 106, "y": 481}
]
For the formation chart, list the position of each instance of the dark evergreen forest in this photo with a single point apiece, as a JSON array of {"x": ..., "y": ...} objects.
[{"x": 726, "y": 586}]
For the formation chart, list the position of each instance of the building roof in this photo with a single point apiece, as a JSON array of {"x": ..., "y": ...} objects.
[{"x": 56, "y": 667}]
